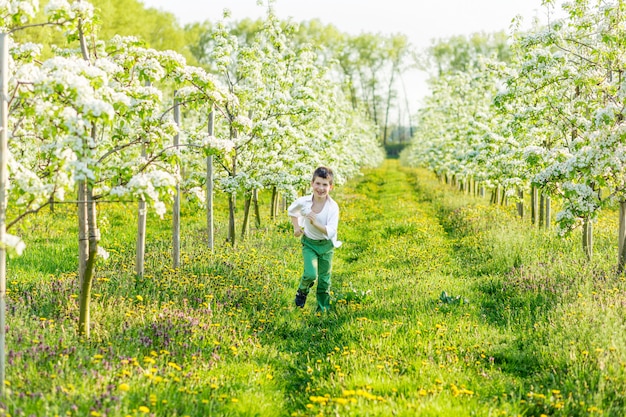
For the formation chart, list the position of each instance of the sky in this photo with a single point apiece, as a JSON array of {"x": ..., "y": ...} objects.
[{"x": 420, "y": 20}]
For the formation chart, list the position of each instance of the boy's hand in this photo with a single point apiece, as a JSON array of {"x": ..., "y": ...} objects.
[{"x": 298, "y": 232}]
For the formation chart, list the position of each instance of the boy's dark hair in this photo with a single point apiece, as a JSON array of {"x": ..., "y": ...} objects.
[{"x": 324, "y": 172}]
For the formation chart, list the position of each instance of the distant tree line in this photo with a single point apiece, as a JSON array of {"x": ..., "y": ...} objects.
[{"x": 368, "y": 65}]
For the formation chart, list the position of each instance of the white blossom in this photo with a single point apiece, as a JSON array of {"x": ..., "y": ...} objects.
[{"x": 14, "y": 244}]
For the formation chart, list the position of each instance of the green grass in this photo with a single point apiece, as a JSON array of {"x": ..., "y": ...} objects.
[{"x": 526, "y": 327}]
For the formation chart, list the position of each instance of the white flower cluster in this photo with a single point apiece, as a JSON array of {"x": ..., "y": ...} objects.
[
  {"x": 22, "y": 9},
  {"x": 26, "y": 52},
  {"x": 55, "y": 5},
  {"x": 151, "y": 186},
  {"x": 13, "y": 244},
  {"x": 219, "y": 145}
]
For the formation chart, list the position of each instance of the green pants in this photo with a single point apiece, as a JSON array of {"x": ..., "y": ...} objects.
[{"x": 318, "y": 258}]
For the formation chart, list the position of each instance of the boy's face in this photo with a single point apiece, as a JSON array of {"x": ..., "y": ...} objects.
[{"x": 321, "y": 186}]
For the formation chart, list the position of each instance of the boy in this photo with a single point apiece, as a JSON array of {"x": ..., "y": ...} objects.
[{"x": 315, "y": 217}]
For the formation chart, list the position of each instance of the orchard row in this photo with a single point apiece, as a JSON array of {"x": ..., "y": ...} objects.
[
  {"x": 98, "y": 120},
  {"x": 548, "y": 115}
]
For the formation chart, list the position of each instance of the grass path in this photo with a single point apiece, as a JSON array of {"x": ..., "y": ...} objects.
[
  {"x": 444, "y": 305},
  {"x": 392, "y": 340}
]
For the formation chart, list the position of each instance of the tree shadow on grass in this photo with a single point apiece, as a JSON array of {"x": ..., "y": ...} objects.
[
  {"x": 506, "y": 305},
  {"x": 510, "y": 307},
  {"x": 52, "y": 259},
  {"x": 304, "y": 340}
]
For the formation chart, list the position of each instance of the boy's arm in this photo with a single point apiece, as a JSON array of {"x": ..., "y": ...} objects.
[
  {"x": 313, "y": 218},
  {"x": 297, "y": 230},
  {"x": 330, "y": 228},
  {"x": 294, "y": 213}
]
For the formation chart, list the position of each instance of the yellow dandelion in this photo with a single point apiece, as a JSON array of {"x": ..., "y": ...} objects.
[
  {"x": 123, "y": 387},
  {"x": 175, "y": 366},
  {"x": 144, "y": 409}
]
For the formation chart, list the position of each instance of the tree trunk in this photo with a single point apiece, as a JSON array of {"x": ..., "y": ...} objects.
[
  {"x": 588, "y": 238},
  {"x": 140, "y": 251},
  {"x": 255, "y": 202},
  {"x": 88, "y": 236},
  {"x": 141, "y": 239},
  {"x": 534, "y": 205},
  {"x": 231, "y": 218},
  {"x": 209, "y": 188},
  {"x": 274, "y": 202},
  {"x": 90, "y": 264},
  {"x": 83, "y": 239},
  {"x": 621, "y": 258},
  {"x": 232, "y": 198},
  {"x": 176, "y": 204},
  {"x": 246, "y": 216},
  {"x": 542, "y": 203},
  {"x": 548, "y": 212},
  {"x": 520, "y": 203}
]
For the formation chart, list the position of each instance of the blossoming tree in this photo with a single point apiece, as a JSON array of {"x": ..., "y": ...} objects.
[{"x": 565, "y": 104}]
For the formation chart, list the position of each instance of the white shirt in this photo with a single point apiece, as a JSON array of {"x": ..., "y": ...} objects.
[{"x": 329, "y": 217}]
